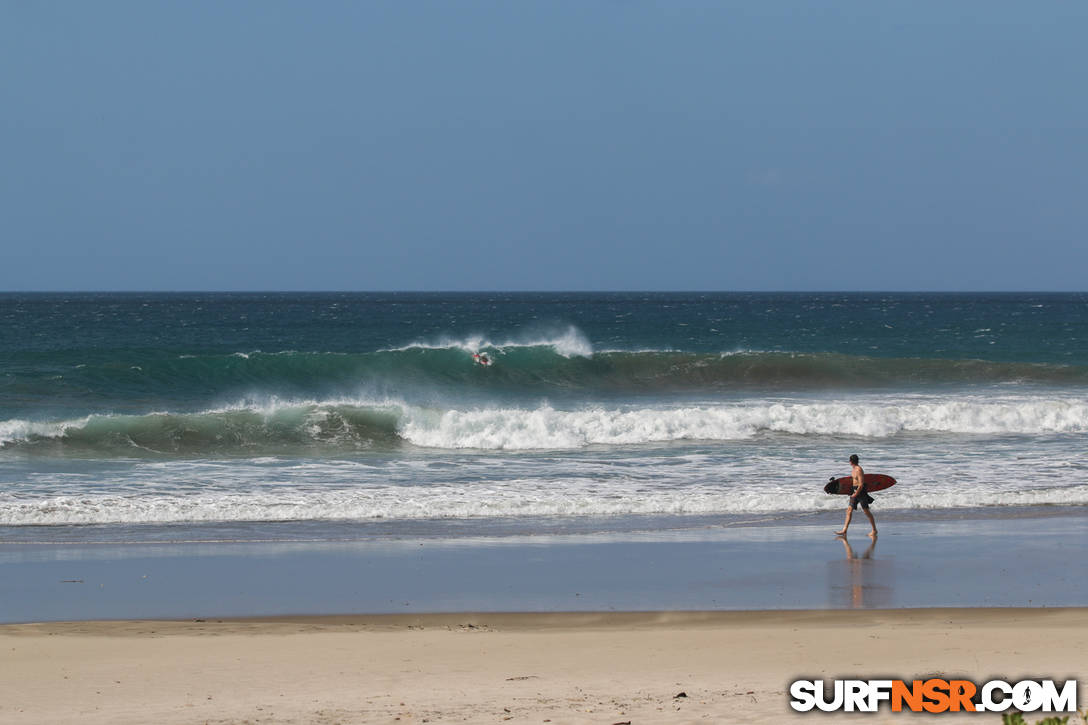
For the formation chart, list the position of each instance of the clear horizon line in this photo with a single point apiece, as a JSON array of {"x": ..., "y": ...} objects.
[{"x": 537, "y": 291}]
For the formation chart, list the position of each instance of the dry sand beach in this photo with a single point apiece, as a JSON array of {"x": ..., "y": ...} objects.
[{"x": 528, "y": 668}]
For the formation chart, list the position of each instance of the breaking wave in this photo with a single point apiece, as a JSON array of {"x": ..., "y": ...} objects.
[
  {"x": 566, "y": 343},
  {"x": 554, "y": 367},
  {"x": 342, "y": 426}
]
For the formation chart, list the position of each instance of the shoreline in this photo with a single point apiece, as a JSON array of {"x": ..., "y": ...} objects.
[
  {"x": 1022, "y": 562},
  {"x": 520, "y": 667},
  {"x": 527, "y": 621},
  {"x": 454, "y": 529}
]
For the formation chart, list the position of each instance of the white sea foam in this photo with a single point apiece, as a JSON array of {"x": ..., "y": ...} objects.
[
  {"x": 546, "y": 427},
  {"x": 708, "y": 477},
  {"x": 512, "y": 499}
]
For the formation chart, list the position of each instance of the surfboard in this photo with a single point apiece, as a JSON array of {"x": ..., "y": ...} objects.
[{"x": 873, "y": 482}]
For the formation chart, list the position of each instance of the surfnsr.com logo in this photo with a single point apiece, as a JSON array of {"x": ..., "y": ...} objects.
[{"x": 933, "y": 695}]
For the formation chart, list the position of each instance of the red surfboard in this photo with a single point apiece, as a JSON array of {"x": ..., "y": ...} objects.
[{"x": 873, "y": 482}]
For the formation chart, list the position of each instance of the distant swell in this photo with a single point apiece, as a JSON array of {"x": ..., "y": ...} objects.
[{"x": 341, "y": 426}]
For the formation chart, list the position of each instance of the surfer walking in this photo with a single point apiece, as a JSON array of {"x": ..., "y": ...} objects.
[{"x": 860, "y": 496}]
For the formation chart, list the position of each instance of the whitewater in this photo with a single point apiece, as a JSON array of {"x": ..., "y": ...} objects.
[
  {"x": 329, "y": 415},
  {"x": 349, "y": 425}
]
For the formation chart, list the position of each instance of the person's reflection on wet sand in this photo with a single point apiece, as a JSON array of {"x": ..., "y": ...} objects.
[{"x": 857, "y": 572}]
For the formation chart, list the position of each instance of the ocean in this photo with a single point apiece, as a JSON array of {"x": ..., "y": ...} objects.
[{"x": 343, "y": 416}]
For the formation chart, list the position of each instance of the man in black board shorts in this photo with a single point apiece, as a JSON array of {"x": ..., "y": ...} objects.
[{"x": 860, "y": 496}]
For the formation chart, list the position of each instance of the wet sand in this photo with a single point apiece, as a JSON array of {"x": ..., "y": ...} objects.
[{"x": 1027, "y": 561}]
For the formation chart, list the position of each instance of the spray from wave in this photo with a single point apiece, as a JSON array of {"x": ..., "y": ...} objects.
[{"x": 568, "y": 343}]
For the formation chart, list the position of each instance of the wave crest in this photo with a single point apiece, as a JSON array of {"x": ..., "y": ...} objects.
[
  {"x": 570, "y": 342},
  {"x": 547, "y": 428},
  {"x": 343, "y": 426},
  {"x": 559, "y": 364},
  {"x": 243, "y": 430}
]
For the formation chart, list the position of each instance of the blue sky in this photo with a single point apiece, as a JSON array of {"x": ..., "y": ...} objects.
[{"x": 607, "y": 145}]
